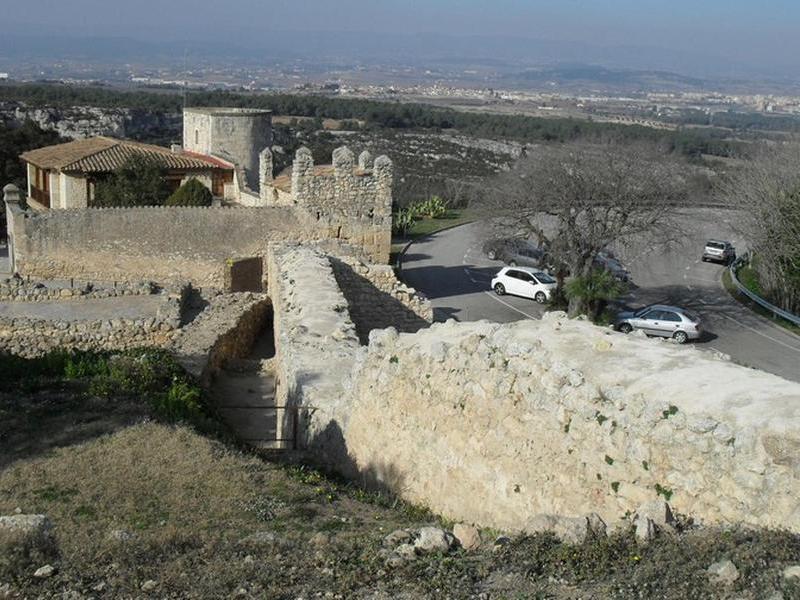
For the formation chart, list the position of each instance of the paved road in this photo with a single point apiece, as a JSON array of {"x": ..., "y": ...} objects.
[{"x": 450, "y": 268}]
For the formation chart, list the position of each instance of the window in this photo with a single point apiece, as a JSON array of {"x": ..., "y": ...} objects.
[
  {"x": 196, "y": 137},
  {"x": 670, "y": 316}
]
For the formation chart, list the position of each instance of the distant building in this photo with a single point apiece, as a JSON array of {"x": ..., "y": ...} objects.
[
  {"x": 64, "y": 175},
  {"x": 3, "y": 76}
]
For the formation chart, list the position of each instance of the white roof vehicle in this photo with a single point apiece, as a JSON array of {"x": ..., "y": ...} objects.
[{"x": 525, "y": 282}]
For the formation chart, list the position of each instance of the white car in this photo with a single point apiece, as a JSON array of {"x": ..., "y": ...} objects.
[{"x": 525, "y": 282}]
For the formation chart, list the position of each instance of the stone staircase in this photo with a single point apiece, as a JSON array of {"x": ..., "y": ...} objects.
[{"x": 244, "y": 393}]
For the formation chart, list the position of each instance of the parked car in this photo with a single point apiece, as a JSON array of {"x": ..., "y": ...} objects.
[
  {"x": 606, "y": 260},
  {"x": 662, "y": 320},
  {"x": 719, "y": 251},
  {"x": 514, "y": 252},
  {"x": 524, "y": 282}
]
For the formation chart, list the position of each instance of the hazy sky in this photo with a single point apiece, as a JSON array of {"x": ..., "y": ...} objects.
[{"x": 734, "y": 29}]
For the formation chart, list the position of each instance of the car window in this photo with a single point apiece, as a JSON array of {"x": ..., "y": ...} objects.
[
  {"x": 717, "y": 245},
  {"x": 524, "y": 276},
  {"x": 544, "y": 278},
  {"x": 653, "y": 315},
  {"x": 514, "y": 274},
  {"x": 670, "y": 316}
]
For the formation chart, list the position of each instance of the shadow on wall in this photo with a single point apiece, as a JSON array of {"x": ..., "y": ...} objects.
[
  {"x": 331, "y": 445},
  {"x": 372, "y": 308}
]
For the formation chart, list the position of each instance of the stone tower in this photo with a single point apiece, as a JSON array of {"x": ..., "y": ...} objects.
[{"x": 234, "y": 134}]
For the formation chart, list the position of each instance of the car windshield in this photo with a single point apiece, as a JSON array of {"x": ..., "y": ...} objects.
[
  {"x": 641, "y": 311},
  {"x": 716, "y": 245},
  {"x": 691, "y": 316},
  {"x": 544, "y": 278}
]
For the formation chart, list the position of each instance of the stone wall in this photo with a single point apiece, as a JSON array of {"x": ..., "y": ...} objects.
[
  {"x": 19, "y": 290},
  {"x": 377, "y": 299},
  {"x": 226, "y": 329},
  {"x": 496, "y": 424},
  {"x": 31, "y": 337},
  {"x": 158, "y": 243},
  {"x": 353, "y": 200},
  {"x": 315, "y": 345}
]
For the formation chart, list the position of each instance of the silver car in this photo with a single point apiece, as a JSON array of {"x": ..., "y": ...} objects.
[{"x": 662, "y": 320}]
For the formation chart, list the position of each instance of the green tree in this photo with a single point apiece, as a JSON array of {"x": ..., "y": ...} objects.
[
  {"x": 594, "y": 290},
  {"x": 191, "y": 193},
  {"x": 138, "y": 182}
]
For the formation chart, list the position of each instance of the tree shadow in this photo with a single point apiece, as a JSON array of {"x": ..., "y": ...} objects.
[{"x": 436, "y": 281}]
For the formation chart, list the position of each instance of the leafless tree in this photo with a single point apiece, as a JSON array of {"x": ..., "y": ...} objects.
[
  {"x": 767, "y": 192},
  {"x": 580, "y": 199}
]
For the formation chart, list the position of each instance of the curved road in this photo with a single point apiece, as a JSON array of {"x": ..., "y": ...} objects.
[{"x": 452, "y": 271}]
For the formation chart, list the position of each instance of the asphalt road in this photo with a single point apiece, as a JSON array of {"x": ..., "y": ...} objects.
[{"x": 451, "y": 270}]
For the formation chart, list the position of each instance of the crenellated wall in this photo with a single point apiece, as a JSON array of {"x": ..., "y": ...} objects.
[{"x": 341, "y": 202}]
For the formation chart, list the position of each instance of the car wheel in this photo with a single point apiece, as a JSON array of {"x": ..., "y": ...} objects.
[
  {"x": 513, "y": 263},
  {"x": 625, "y": 328},
  {"x": 492, "y": 255},
  {"x": 499, "y": 289},
  {"x": 540, "y": 297},
  {"x": 705, "y": 259},
  {"x": 680, "y": 337}
]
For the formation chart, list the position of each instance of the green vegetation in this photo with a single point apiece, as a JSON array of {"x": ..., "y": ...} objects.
[
  {"x": 727, "y": 282},
  {"x": 15, "y": 141},
  {"x": 375, "y": 114},
  {"x": 191, "y": 193},
  {"x": 138, "y": 182},
  {"x": 151, "y": 376},
  {"x": 595, "y": 290}
]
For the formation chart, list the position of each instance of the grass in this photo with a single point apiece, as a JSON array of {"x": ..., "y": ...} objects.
[
  {"x": 134, "y": 497},
  {"x": 746, "y": 277}
]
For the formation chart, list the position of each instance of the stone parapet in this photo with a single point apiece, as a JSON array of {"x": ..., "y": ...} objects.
[{"x": 500, "y": 424}]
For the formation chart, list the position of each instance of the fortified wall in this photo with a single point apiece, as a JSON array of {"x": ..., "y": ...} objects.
[
  {"x": 340, "y": 202},
  {"x": 502, "y": 424}
]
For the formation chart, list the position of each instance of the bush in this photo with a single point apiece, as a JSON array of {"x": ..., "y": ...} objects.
[
  {"x": 594, "y": 290},
  {"x": 138, "y": 182},
  {"x": 402, "y": 221},
  {"x": 191, "y": 193}
]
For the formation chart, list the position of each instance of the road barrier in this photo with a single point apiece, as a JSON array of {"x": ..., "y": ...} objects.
[{"x": 779, "y": 312}]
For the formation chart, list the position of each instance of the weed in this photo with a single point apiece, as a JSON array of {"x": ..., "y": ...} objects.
[
  {"x": 609, "y": 460},
  {"x": 672, "y": 410},
  {"x": 662, "y": 491},
  {"x": 615, "y": 486},
  {"x": 601, "y": 418}
]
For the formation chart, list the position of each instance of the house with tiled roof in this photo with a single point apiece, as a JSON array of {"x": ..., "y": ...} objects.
[{"x": 64, "y": 175}]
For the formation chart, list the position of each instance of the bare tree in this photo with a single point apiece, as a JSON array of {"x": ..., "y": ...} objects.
[
  {"x": 767, "y": 192},
  {"x": 578, "y": 200}
]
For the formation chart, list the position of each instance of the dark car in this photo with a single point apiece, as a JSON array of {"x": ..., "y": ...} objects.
[{"x": 514, "y": 252}]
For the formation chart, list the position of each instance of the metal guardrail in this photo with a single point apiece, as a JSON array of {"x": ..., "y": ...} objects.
[{"x": 779, "y": 312}]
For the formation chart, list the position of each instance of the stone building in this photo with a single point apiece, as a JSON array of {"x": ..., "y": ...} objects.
[
  {"x": 236, "y": 135},
  {"x": 64, "y": 175}
]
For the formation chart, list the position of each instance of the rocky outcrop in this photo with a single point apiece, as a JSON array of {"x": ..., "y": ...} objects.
[{"x": 77, "y": 122}]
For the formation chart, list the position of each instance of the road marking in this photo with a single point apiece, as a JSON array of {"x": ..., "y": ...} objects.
[
  {"x": 761, "y": 333},
  {"x": 514, "y": 308}
]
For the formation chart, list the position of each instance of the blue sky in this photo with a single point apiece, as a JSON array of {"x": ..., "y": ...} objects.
[{"x": 734, "y": 29}]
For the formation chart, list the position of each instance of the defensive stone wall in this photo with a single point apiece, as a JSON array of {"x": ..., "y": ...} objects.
[
  {"x": 158, "y": 243},
  {"x": 30, "y": 337},
  {"x": 315, "y": 345},
  {"x": 226, "y": 329},
  {"x": 496, "y": 424},
  {"x": 377, "y": 299},
  {"x": 20, "y": 290}
]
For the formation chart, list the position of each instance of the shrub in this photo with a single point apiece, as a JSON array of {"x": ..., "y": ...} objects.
[
  {"x": 138, "y": 182},
  {"x": 594, "y": 290},
  {"x": 191, "y": 193},
  {"x": 402, "y": 221}
]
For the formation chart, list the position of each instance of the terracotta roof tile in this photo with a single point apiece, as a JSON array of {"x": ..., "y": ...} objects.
[{"x": 104, "y": 154}]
